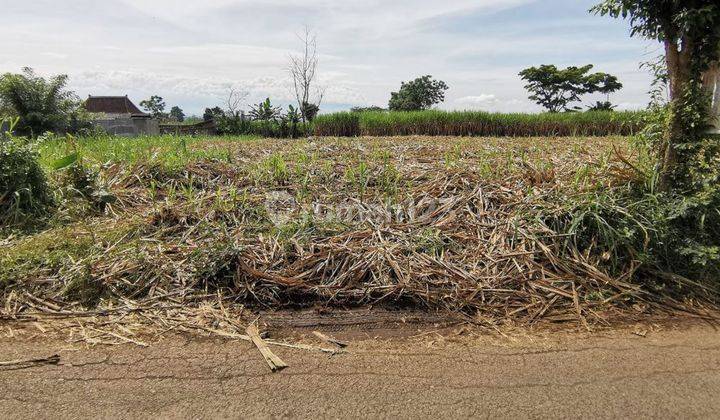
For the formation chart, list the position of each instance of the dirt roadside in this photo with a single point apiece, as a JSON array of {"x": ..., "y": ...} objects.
[{"x": 642, "y": 371}]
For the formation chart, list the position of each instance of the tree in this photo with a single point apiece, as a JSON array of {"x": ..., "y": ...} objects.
[
  {"x": 155, "y": 106},
  {"x": 303, "y": 70},
  {"x": 690, "y": 33},
  {"x": 41, "y": 104},
  {"x": 234, "y": 102},
  {"x": 213, "y": 114},
  {"x": 557, "y": 89},
  {"x": 419, "y": 94},
  {"x": 177, "y": 114}
]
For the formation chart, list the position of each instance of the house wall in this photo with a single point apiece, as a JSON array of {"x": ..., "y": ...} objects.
[
  {"x": 206, "y": 128},
  {"x": 129, "y": 127}
]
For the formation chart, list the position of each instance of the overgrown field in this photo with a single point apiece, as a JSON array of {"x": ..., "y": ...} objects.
[
  {"x": 484, "y": 227},
  {"x": 470, "y": 123}
]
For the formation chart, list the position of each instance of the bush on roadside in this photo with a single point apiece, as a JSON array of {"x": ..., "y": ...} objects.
[{"x": 24, "y": 190}]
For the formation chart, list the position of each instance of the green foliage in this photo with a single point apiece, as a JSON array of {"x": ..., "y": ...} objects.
[
  {"x": 213, "y": 114},
  {"x": 690, "y": 32},
  {"x": 602, "y": 106},
  {"x": 265, "y": 111},
  {"x": 42, "y": 105},
  {"x": 674, "y": 232},
  {"x": 24, "y": 191},
  {"x": 84, "y": 182},
  {"x": 233, "y": 124},
  {"x": 309, "y": 110},
  {"x": 289, "y": 124},
  {"x": 660, "y": 85},
  {"x": 177, "y": 114},
  {"x": 166, "y": 152},
  {"x": 672, "y": 21},
  {"x": 340, "y": 124},
  {"x": 477, "y": 123},
  {"x": 155, "y": 106},
  {"x": 419, "y": 94},
  {"x": 556, "y": 89}
]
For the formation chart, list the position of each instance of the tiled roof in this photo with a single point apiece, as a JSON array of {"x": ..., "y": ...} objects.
[{"x": 112, "y": 105}]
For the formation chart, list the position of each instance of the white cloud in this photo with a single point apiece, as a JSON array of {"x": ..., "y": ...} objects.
[
  {"x": 190, "y": 52},
  {"x": 479, "y": 100}
]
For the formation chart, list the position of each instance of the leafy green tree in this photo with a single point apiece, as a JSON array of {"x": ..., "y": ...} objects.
[
  {"x": 215, "y": 113},
  {"x": 690, "y": 33},
  {"x": 557, "y": 89},
  {"x": 419, "y": 94},
  {"x": 41, "y": 104},
  {"x": 155, "y": 106},
  {"x": 177, "y": 114}
]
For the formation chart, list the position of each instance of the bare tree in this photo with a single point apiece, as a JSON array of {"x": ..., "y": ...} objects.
[
  {"x": 235, "y": 100},
  {"x": 303, "y": 69}
]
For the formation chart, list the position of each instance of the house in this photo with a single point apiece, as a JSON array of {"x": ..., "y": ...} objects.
[{"x": 119, "y": 116}]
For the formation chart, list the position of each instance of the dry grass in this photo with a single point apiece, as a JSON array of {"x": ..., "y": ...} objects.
[{"x": 441, "y": 223}]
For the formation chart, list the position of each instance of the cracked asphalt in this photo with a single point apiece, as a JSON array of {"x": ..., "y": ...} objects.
[{"x": 669, "y": 373}]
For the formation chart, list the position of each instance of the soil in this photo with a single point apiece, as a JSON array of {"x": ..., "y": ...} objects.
[{"x": 393, "y": 370}]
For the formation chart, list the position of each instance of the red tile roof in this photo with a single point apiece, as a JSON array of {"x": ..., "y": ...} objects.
[{"x": 112, "y": 105}]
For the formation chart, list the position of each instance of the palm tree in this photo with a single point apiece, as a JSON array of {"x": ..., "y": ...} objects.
[{"x": 41, "y": 104}]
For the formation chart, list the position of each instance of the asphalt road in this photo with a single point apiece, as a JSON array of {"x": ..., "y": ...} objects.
[{"x": 671, "y": 373}]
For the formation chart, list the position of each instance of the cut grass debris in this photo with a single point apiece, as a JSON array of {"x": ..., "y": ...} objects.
[{"x": 481, "y": 228}]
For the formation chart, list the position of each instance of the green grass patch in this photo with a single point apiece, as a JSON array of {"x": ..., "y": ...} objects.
[{"x": 166, "y": 151}]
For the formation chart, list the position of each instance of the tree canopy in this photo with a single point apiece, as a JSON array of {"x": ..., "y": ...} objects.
[
  {"x": 41, "y": 104},
  {"x": 419, "y": 94},
  {"x": 155, "y": 106},
  {"x": 690, "y": 33},
  {"x": 211, "y": 114},
  {"x": 557, "y": 89},
  {"x": 177, "y": 114}
]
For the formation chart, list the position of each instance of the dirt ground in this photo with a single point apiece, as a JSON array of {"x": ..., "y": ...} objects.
[{"x": 641, "y": 370}]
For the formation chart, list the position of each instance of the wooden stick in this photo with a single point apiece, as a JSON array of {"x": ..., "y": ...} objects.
[
  {"x": 52, "y": 360},
  {"x": 275, "y": 363},
  {"x": 325, "y": 338}
]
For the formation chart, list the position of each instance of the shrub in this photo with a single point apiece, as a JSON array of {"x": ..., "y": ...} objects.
[
  {"x": 24, "y": 191},
  {"x": 84, "y": 182},
  {"x": 675, "y": 235}
]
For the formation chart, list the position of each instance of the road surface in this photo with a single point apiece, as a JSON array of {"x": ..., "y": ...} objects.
[{"x": 668, "y": 373}]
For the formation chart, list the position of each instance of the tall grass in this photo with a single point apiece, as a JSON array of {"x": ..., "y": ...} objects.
[
  {"x": 475, "y": 123},
  {"x": 340, "y": 124}
]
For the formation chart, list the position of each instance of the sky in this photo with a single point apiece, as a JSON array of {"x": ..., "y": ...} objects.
[{"x": 192, "y": 52}]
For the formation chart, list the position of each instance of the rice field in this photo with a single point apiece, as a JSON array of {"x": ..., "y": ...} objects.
[{"x": 480, "y": 124}]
